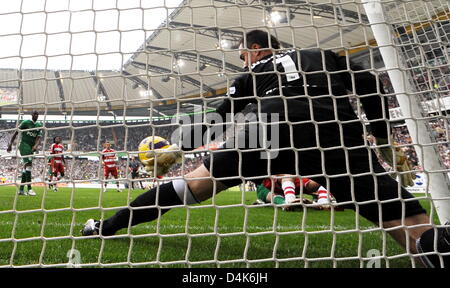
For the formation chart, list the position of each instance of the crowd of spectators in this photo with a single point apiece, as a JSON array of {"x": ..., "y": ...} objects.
[
  {"x": 84, "y": 169},
  {"x": 88, "y": 136},
  {"x": 78, "y": 169}
]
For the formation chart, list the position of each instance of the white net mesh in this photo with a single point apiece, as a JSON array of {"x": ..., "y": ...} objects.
[{"x": 119, "y": 71}]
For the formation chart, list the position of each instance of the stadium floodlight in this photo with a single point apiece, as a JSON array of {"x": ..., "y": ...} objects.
[
  {"x": 178, "y": 63},
  {"x": 276, "y": 17},
  {"x": 225, "y": 44}
]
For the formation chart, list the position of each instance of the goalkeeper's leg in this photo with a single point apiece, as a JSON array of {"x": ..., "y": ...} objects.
[
  {"x": 413, "y": 227},
  {"x": 164, "y": 195},
  {"x": 198, "y": 187},
  {"x": 177, "y": 192},
  {"x": 422, "y": 239},
  {"x": 400, "y": 214},
  {"x": 434, "y": 246}
]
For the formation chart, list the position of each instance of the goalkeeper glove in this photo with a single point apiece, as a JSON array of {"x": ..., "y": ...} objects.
[
  {"x": 402, "y": 164},
  {"x": 164, "y": 161}
]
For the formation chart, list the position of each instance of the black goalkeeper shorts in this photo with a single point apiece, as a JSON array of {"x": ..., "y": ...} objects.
[{"x": 345, "y": 165}]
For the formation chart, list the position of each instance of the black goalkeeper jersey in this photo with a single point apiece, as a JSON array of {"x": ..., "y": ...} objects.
[
  {"x": 306, "y": 85},
  {"x": 304, "y": 79}
]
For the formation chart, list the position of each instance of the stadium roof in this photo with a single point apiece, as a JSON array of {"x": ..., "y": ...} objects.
[{"x": 193, "y": 54}]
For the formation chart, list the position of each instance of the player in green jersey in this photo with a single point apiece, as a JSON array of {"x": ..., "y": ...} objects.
[{"x": 28, "y": 145}]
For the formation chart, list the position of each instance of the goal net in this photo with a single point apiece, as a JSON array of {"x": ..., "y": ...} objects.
[{"x": 119, "y": 71}]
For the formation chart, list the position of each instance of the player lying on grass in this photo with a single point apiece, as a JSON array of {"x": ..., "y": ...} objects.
[
  {"x": 283, "y": 190},
  {"x": 312, "y": 111},
  {"x": 29, "y": 142}
]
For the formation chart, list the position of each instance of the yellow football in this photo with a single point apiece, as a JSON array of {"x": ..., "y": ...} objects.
[{"x": 151, "y": 143}]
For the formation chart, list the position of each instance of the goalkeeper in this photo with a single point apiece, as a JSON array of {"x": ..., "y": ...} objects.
[
  {"x": 308, "y": 109},
  {"x": 28, "y": 145}
]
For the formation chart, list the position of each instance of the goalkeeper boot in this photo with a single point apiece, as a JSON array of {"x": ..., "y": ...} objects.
[
  {"x": 91, "y": 227},
  {"x": 31, "y": 193},
  {"x": 22, "y": 192},
  {"x": 425, "y": 245}
]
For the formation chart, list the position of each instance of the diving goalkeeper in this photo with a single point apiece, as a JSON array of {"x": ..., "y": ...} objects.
[{"x": 319, "y": 137}]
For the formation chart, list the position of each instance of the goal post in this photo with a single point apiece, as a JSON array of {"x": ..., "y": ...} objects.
[{"x": 389, "y": 44}]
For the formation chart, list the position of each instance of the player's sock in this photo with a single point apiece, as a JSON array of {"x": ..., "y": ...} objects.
[
  {"x": 426, "y": 244},
  {"x": 23, "y": 180},
  {"x": 323, "y": 196},
  {"x": 289, "y": 191},
  {"x": 169, "y": 194}
]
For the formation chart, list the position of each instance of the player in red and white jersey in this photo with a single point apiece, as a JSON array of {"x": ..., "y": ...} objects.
[
  {"x": 57, "y": 161},
  {"x": 109, "y": 161}
]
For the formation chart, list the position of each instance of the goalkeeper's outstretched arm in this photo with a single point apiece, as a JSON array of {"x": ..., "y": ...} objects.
[{"x": 192, "y": 136}]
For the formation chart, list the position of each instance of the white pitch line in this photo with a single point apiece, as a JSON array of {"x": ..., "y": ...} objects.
[{"x": 204, "y": 228}]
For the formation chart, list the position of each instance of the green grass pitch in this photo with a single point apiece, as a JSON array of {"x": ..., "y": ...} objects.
[{"x": 214, "y": 236}]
